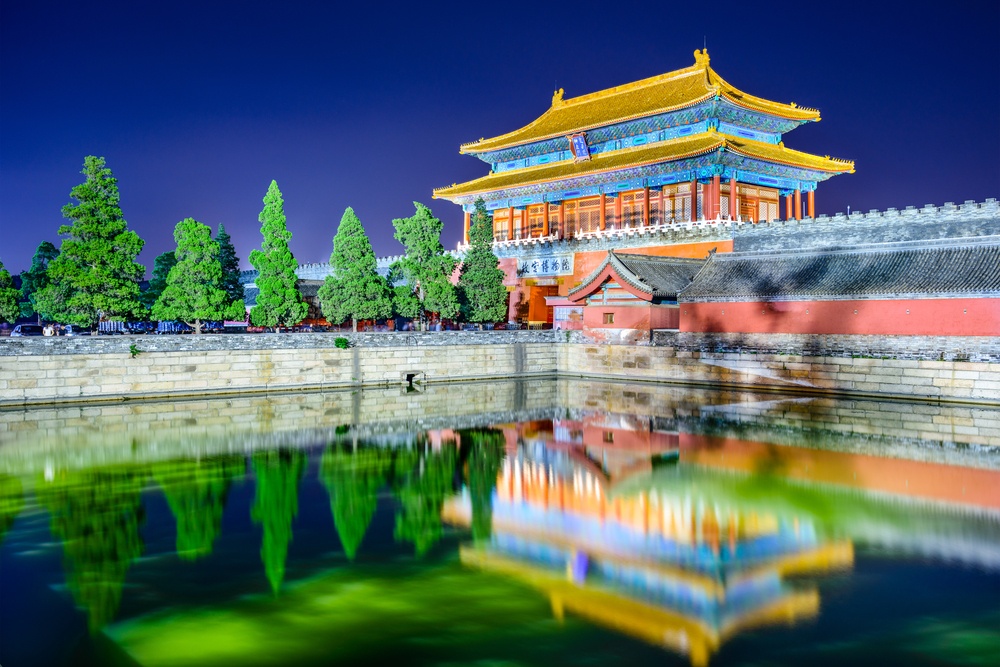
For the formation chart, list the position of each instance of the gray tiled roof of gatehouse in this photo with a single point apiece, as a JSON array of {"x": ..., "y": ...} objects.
[
  {"x": 659, "y": 277},
  {"x": 949, "y": 268}
]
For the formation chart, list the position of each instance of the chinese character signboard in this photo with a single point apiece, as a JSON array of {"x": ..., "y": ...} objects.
[
  {"x": 545, "y": 265},
  {"x": 578, "y": 143}
]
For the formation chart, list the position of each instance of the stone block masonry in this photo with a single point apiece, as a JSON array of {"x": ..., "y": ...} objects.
[{"x": 45, "y": 370}]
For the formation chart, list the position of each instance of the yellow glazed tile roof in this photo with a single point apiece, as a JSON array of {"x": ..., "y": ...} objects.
[
  {"x": 610, "y": 161},
  {"x": 658, "y": 94},
  {"x": 664, "y": 151}
]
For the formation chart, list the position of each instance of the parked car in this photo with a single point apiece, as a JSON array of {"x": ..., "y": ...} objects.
[
  {"x": 173, "y": 328},
  {"x": 139, "y": 328},
  {"x": 111, "y": 328},
  {"x": 74, "y": 330},
  {"x": 27, "y": 330}
]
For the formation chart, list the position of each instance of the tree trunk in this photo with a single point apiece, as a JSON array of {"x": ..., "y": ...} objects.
[
  {"x": 197, "y": 327},
  {"x": 354, "y": 324}
]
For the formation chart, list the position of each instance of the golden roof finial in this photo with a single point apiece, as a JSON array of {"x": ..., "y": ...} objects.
[
  {"x": 701, "y": 57},
  {"x": 793, "y": 105},
  {"x": 557, "y": 98}
]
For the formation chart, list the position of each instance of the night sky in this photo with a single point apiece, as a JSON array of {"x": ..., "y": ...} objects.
[{"x": 198, "y": 105}]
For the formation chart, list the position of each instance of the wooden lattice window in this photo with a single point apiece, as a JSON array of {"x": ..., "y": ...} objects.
[
  {"x": 589, "y": 212},
  {"x": 536, "y": 220},
  {"x": 633, "y": 209},
  {"x": 501, "y": 225}
]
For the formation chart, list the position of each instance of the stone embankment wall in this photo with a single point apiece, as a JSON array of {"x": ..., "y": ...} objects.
[{"x": 59, "y": 369}]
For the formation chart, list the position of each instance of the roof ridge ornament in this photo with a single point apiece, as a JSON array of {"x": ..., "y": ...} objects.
[
  {"x": 701, "y": 58},
  {"x": 557, "y": 98}
]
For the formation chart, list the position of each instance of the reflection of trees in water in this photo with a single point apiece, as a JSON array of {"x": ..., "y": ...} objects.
[
  {"x": 11, "y": 502},
  {"x": 196, "y": 492},
  {"x": 97, "y": 515},
  {"x": 485, "y": 456},
  {"x": 275, "y": 506},
  {"x": 353, "y": 479},
  {"x": 423, "y": 479}
]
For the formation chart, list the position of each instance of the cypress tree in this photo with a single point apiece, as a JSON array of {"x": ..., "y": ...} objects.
[
  {"x": 354, "y": 288},
  {"x": 158, "y": 281},
  {"x": 95, "y": 275},
  {"x": 193, "y": 293},
  {"x": 279, "y": 302},
  {"x": 9, "y": 308},
  {"x": 427, "y": 268},
  {"x": 230, "y": 266},
  {"x": 36, "y": 278},
  {"x": 484, "y": 297}
]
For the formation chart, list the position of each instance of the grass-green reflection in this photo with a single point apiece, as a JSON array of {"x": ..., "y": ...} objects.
[
  {"x": 97, "y": 515},
  {"x": 353, "y": 478},
  {"x": 421, "y": 491},
  {"x": 11, "y": 502},
  {"x": 276, "y": 505},
  {"x": 196, "y": 492}
]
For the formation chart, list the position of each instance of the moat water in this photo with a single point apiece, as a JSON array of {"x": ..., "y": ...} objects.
[{"x": 524, "y": 523}]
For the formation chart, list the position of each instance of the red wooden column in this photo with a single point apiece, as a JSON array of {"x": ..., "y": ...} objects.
[
  {"x": 716, "y": 196},
  {"x": 468, "y": 218},
  {"x": 618, "y": 212},
  {"x": 645, "y": 207},
  {"x": 733, "y": 210},
  {"x": 798, "y": 204},
  {"x": 562, "y": 220},
  {"x": 663, "y": 210},
  {"x": 811, "y": 203},
  {"x": 788, "y": 207},
  {"x": 604, "y": 213},
  {"x": 511, "y": 232},
  {"x": 694, "y": 199},
  {"x": 545, "y": 222}
]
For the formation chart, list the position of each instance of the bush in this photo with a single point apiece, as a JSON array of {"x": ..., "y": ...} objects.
[{"x": 342, "y": 343}]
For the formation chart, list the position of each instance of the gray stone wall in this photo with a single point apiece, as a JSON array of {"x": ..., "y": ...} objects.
[{"x": 970, "y": 219}]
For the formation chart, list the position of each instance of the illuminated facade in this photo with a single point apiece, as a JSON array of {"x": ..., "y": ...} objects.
[{"x": 642, "y": 167}]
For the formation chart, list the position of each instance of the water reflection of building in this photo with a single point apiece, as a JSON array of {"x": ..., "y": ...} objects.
[{"x": 674, "y": 569}]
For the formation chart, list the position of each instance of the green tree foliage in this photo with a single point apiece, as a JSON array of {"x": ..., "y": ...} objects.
[
  {"x": 193, "y": 293},
  {"x": 11, "y": 502},
  {"x": 421, "y": 493},
  {"x": 354, "y": 289},
  {"x": 426, "y": 268},
  {"x": 230, "y": 267},
  {"x": 279, "y": 302},
  {"x": 95, "y": 275},
  {"x": 484, "y": 297},
  {"x": 9, "y": 307},
  {"x": 485, "y": 458},
  {"x": 353, "y": 480},
  {"x": 196, "y": 492},
  {"x": 158, "y": 281},
  {"x": 36, "y": 278},
  {"x": 275, "y": 507},
  {"x": 97, "y": 514}
]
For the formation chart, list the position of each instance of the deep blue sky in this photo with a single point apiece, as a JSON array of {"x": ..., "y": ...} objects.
[{"x": 198, "y": 105}]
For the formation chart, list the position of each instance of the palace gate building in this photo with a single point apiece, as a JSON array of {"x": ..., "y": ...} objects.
[{"x": 661, "y": 166}]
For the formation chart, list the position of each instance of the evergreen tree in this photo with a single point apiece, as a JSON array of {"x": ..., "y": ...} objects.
[
  {"x": 484, "y": 297},
  {"x": 275, "y": 506},
  {"x": 230, "y": 266},
  {"x": 9, "y": 308},
  {"x": 279, "y": 302},
  {"x": 193, "y": 293},
  {"x": 158, "y": 281},
  {"x": 354, "y": 289},
  {"x": 95, "y": 275},
  {"x": 426, "y": 268},
  {"x": 36, "y": 278}
]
